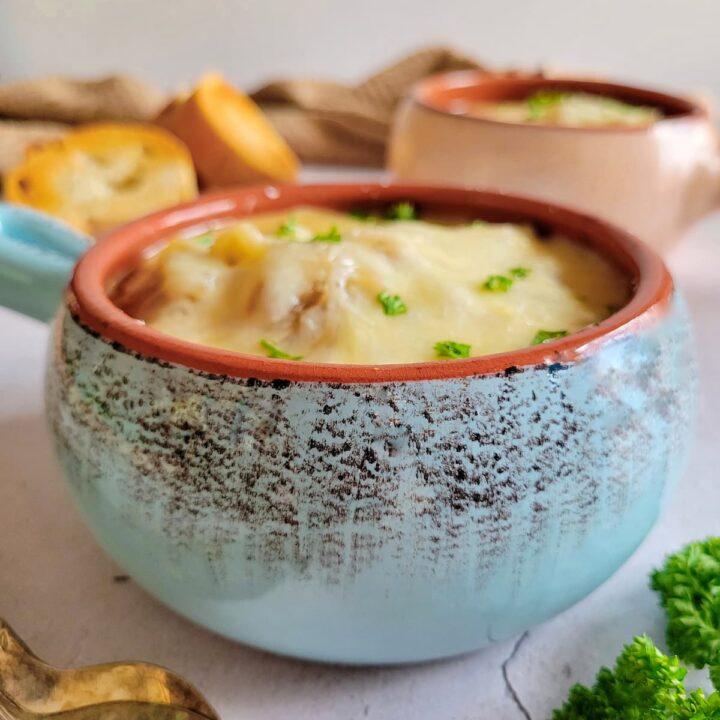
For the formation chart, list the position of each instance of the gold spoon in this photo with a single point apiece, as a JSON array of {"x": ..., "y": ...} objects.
[
  {"x": 30, "y": 688},
  {"x": 122, "y": 710}
]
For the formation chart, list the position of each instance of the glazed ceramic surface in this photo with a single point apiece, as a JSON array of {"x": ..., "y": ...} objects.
[
  {"x": 653, "y": 181},
  {"x": 370, "y": 514},
  {"x": 37, "y": 255}
]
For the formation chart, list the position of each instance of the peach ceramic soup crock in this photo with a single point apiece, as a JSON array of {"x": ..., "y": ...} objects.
[
  {"x": 358, "y": 513},
  {"x": 654, "y": 181}
]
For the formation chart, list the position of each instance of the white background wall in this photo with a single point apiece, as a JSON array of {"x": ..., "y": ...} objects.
[{"x": 673, "y": 43}]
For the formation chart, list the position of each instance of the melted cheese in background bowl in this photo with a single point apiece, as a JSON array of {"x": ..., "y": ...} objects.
[
  {"x": 570, "y": 109},
  {"x": 323, "y": 286}
]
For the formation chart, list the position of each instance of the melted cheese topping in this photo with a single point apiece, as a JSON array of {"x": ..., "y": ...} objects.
[
  {"x": 270, "y": 283},
  {"x": 569, "y": 109}
]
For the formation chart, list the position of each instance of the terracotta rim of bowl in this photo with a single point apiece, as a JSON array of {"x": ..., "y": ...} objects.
[
  {"x": 438, "y": 92},
  {"x": 107, "y": 261}
]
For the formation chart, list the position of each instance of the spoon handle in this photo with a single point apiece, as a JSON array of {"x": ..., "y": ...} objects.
[
  {"x": 37, "y": 255},
  {"x": 30, "y": 685},
  {"x": 30, "y": 688},
  {"x": 122, "y": 710}
]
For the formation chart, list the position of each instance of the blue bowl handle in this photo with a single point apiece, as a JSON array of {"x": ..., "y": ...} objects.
[{"x": 37, "y": 255}]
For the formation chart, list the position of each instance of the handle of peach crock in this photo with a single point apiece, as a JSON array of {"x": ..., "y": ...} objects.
[{"x": 37, "y": 255}]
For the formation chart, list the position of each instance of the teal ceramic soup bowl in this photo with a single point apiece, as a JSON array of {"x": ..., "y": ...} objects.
[{"x": 369, "y": 514}]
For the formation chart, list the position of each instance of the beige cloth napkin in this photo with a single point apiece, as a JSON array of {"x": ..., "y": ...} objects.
[
  {"x": 324, "y": 122},
  {"x": 35, "y": 111},
  {"x": 327, "y": 122}
]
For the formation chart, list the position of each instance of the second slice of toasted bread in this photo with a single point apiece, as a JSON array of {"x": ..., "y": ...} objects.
[{"x": 231, "y": 141}]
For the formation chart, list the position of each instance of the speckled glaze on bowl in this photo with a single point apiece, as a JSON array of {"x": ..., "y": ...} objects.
[
  {"x": 653, "y": 181},
  {"x": 370, "y": 514}
]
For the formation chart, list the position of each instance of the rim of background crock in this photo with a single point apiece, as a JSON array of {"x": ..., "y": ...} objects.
[
  {"x": 116, "y": 254},
  {"x": 458, "y": 80}
]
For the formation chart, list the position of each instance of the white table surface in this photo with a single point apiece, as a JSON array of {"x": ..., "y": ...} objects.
[{"x": 58, "y": 589}]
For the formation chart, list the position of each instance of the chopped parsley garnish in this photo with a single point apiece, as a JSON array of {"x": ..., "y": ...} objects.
[
  {"x": 520, "y": 272},
  {"x": 543, "y": 336},
  {"x": 331, "y": 236},
  {"x": 497, "y": 283},
  {"x": 452, "y": 349},
  {"x": 363, "y": 215},
  {"x": 391, "y": 304},
  {"x": 401, "y": 211},
  {"x": 205, "y": 239},
  {"x": 539, "y": 102},
  {"x": 479, "y": 223},
  {"x": 273, "y": 351},
  {"x": 288, "y": 228},
  {"x": 502, "y": 283}
]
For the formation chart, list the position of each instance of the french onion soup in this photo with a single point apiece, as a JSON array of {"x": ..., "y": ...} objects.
[
  {"x": 570, "y": 109},
  {"x": 319, "y": 285}
]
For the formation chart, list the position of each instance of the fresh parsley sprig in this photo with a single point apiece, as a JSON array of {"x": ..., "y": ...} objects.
[
  {"x": 644, "y": 684},
  {"x": 689, "y": 589}
]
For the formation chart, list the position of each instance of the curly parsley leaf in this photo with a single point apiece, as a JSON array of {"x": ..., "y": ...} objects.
[
  {"x": 644, "y": 684},
  {"x": 689, "y": 589}
]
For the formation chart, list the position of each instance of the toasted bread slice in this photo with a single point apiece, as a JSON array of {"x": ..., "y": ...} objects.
[
  {"x": 230, "y": 140},
  {"x": 101, "y": 176}
]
